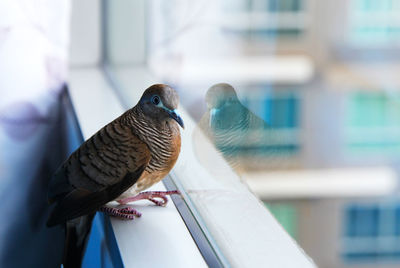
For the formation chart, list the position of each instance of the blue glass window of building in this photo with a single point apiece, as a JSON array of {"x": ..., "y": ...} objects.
[
  {"x": 281, "y": 112},
  {"x": 371, "y": 233},
  {"x": 362, "y": 221},
  {"x": 263, "y": 5},
  {"x": 267, "y": 19},
  {"x": 284, "y": 5},
  {"x": 374, "y": 22},
  {"x": 373, "y": 123}
]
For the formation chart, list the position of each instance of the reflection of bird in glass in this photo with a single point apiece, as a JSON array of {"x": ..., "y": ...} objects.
[{"x": 230, "y": 126}]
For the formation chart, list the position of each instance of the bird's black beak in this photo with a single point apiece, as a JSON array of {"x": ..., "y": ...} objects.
[{"x": 175, "y": 115}]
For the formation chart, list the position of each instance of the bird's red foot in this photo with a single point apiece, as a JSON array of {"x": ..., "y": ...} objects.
[
  {"x": 151, "y": 196},
  {"x": 126, "y": 213}
]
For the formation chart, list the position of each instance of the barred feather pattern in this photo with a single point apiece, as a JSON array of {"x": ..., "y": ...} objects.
[
  {"x": 105, "y": 158},
  {"x": 163, "y": 142},
  {"x": 159, "y": 139},
  {"x": 239, "y": 129},
  {"x": 117, "y": 149},
  {"x": 228, "y": 140}
]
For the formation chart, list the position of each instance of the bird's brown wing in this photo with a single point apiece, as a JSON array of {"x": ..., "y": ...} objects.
[{"x": 99, "y": 171}]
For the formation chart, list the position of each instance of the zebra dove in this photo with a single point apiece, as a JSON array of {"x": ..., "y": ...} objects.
[
  {"x": 230, "y": 126},
  {"x": 125, "y": 157}
]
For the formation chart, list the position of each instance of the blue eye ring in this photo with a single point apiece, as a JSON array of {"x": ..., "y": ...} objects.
[{"x": 155, "y": 100}]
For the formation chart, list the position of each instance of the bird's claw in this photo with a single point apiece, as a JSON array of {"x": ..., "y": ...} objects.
[
  {"x": 129, "y": 213},
  {"x": 125, "y": 213},
  {"x": 160, "y": 203},
  {"x": 151, "y": 196},
  {"x": 130, "y": 210}
]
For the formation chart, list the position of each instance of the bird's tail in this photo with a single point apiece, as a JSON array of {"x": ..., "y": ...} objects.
[{"x": 76, "y": 237}]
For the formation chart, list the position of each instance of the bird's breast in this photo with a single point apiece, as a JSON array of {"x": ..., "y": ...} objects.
[{"x": 164, "y": 154}]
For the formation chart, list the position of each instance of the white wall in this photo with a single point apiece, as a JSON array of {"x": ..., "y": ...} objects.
[{"x": 85, "y": 46}]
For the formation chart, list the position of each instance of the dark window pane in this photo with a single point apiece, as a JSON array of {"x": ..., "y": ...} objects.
[
  {"x": 284, "y": 5},
  {"x": 367, "y": 221},
  {"x": 397, "y": 221},
  {"x": 350, "y": 222},
  {"x": 281, "y": 112},
  {"x": 362, "y": 221}
]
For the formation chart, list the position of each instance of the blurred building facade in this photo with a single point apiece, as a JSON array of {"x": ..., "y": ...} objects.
[
  {"x": 346, "y": 116},
  {"x": 323, "y": 75}
]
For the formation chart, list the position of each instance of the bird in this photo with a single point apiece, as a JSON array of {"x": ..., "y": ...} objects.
[
  {"x": 125, "y": 157},
  {"x": 230, "y": 126}
]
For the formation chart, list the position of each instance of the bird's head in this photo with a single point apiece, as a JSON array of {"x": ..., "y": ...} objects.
[
  {"x": 220, "y": 95},
  {"x": 223, "y": 106},
  {"x": 160, "y": 102}
]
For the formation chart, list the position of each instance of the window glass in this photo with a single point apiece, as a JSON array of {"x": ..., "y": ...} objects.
[
  {"x": 309, "y": 108},
  {"x": 374, "y": 22},
  {"x": 371, "y": 233},
  {"x": 373, "y": 123}
]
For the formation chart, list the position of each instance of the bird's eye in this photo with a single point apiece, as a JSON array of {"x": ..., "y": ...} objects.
[{"x": 155, "y": 100}]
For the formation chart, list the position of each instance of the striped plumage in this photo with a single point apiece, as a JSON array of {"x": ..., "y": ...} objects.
[
  {"x": 243, "y": 129},
  {"x": 164, "y": 144},
  {"x": 230, "y": 126},
  {"x": 123, "y": 158}
]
